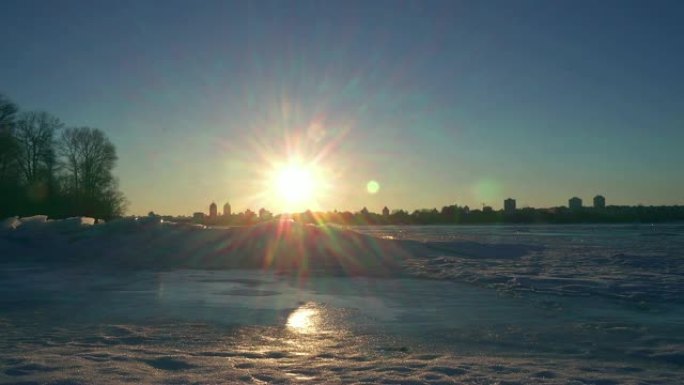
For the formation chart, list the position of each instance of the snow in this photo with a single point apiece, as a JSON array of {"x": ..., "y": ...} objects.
[
  {"x": 637, "y": 264},
  {"x": 145, "y": 301},
  {"x": 150, "y": 243},
  {"x": 10, "y": 223}
]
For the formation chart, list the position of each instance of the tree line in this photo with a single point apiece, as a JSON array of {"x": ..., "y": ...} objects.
[
  {"x": 49, "y": 168},
  {"x": 463, "y": 215},
  {"x": 454, "y": 215}
]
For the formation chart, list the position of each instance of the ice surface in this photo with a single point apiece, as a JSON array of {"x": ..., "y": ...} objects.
[
  {"x": 141, "y": 301},
  {"x": 639, "y": 264}
]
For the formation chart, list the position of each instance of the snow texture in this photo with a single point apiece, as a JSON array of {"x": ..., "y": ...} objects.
[{"x": 145, "y": 301}]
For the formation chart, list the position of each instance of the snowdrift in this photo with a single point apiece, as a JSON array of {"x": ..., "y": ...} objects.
[
  {"x": 643, "y": 271},
  {"x": 151, "y": 243}
]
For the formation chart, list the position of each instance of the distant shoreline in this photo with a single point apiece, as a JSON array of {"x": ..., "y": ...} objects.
[
  {"x": 518, "y": 224},
  {"x": 455, "y": 215}
]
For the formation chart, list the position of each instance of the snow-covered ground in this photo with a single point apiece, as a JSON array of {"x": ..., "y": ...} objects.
[{"x": 146, "y": 302}]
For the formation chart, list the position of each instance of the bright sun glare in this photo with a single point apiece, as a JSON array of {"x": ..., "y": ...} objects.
[{"x": 295, "y": 185}]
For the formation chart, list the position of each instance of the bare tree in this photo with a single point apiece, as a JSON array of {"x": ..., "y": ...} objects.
[
  {"x": 35, "y": 135},
  {"x": 88, "y": 158},
  {"x": 8, "y": 110},
  {"x": 8, "y": 144},
  {"x": 38, "y": 174}
]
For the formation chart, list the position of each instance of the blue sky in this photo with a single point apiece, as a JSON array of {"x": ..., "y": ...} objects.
[{"x": 440, "y": 102}]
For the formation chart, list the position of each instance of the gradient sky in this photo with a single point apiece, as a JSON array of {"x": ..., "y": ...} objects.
[{"x": 440, "y": 102}]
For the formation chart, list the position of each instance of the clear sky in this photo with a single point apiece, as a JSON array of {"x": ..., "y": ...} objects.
[{"x": 439, "y": 102}]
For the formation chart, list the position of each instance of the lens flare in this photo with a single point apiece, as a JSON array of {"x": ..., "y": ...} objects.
[
  {"x": 295, "y": 164},
  {"x": 373, "y": 187}
]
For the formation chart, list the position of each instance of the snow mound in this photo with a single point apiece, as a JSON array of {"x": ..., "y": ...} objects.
[
  {"x": 644, "y": 272},
  {"x": 149, "y": 242},
  {"x": 10, "y": 223}
]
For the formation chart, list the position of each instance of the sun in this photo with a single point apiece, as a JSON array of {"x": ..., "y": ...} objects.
[{"x": 296, "y": 185}]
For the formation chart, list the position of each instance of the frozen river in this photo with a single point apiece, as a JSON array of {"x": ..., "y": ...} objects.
[{"x": 473, "y": 305}]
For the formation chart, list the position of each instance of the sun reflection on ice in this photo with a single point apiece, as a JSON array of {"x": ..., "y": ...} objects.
[
  {"x": 313, "y": 328},
  {"x": 304, "y": 320}
]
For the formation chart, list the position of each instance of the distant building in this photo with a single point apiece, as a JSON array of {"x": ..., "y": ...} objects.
[
  {"x": 599, "y": 202},
  {"x": 213, "y": 210},
  {"x": 509, "y": 205},
  {"x": 575, "y": 203},
  {"x": 385, "y": 212},
  {"x": 198, "y": 216},
  {"x": 487, "y": 209},
  {"x": 226, "y": 210}
]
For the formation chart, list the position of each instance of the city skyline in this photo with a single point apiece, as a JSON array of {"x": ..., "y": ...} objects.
[
  {"x": 413, "y": 105},
  {"x": 574, "y": 213},
  {"x": 598, "y": 202}
]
